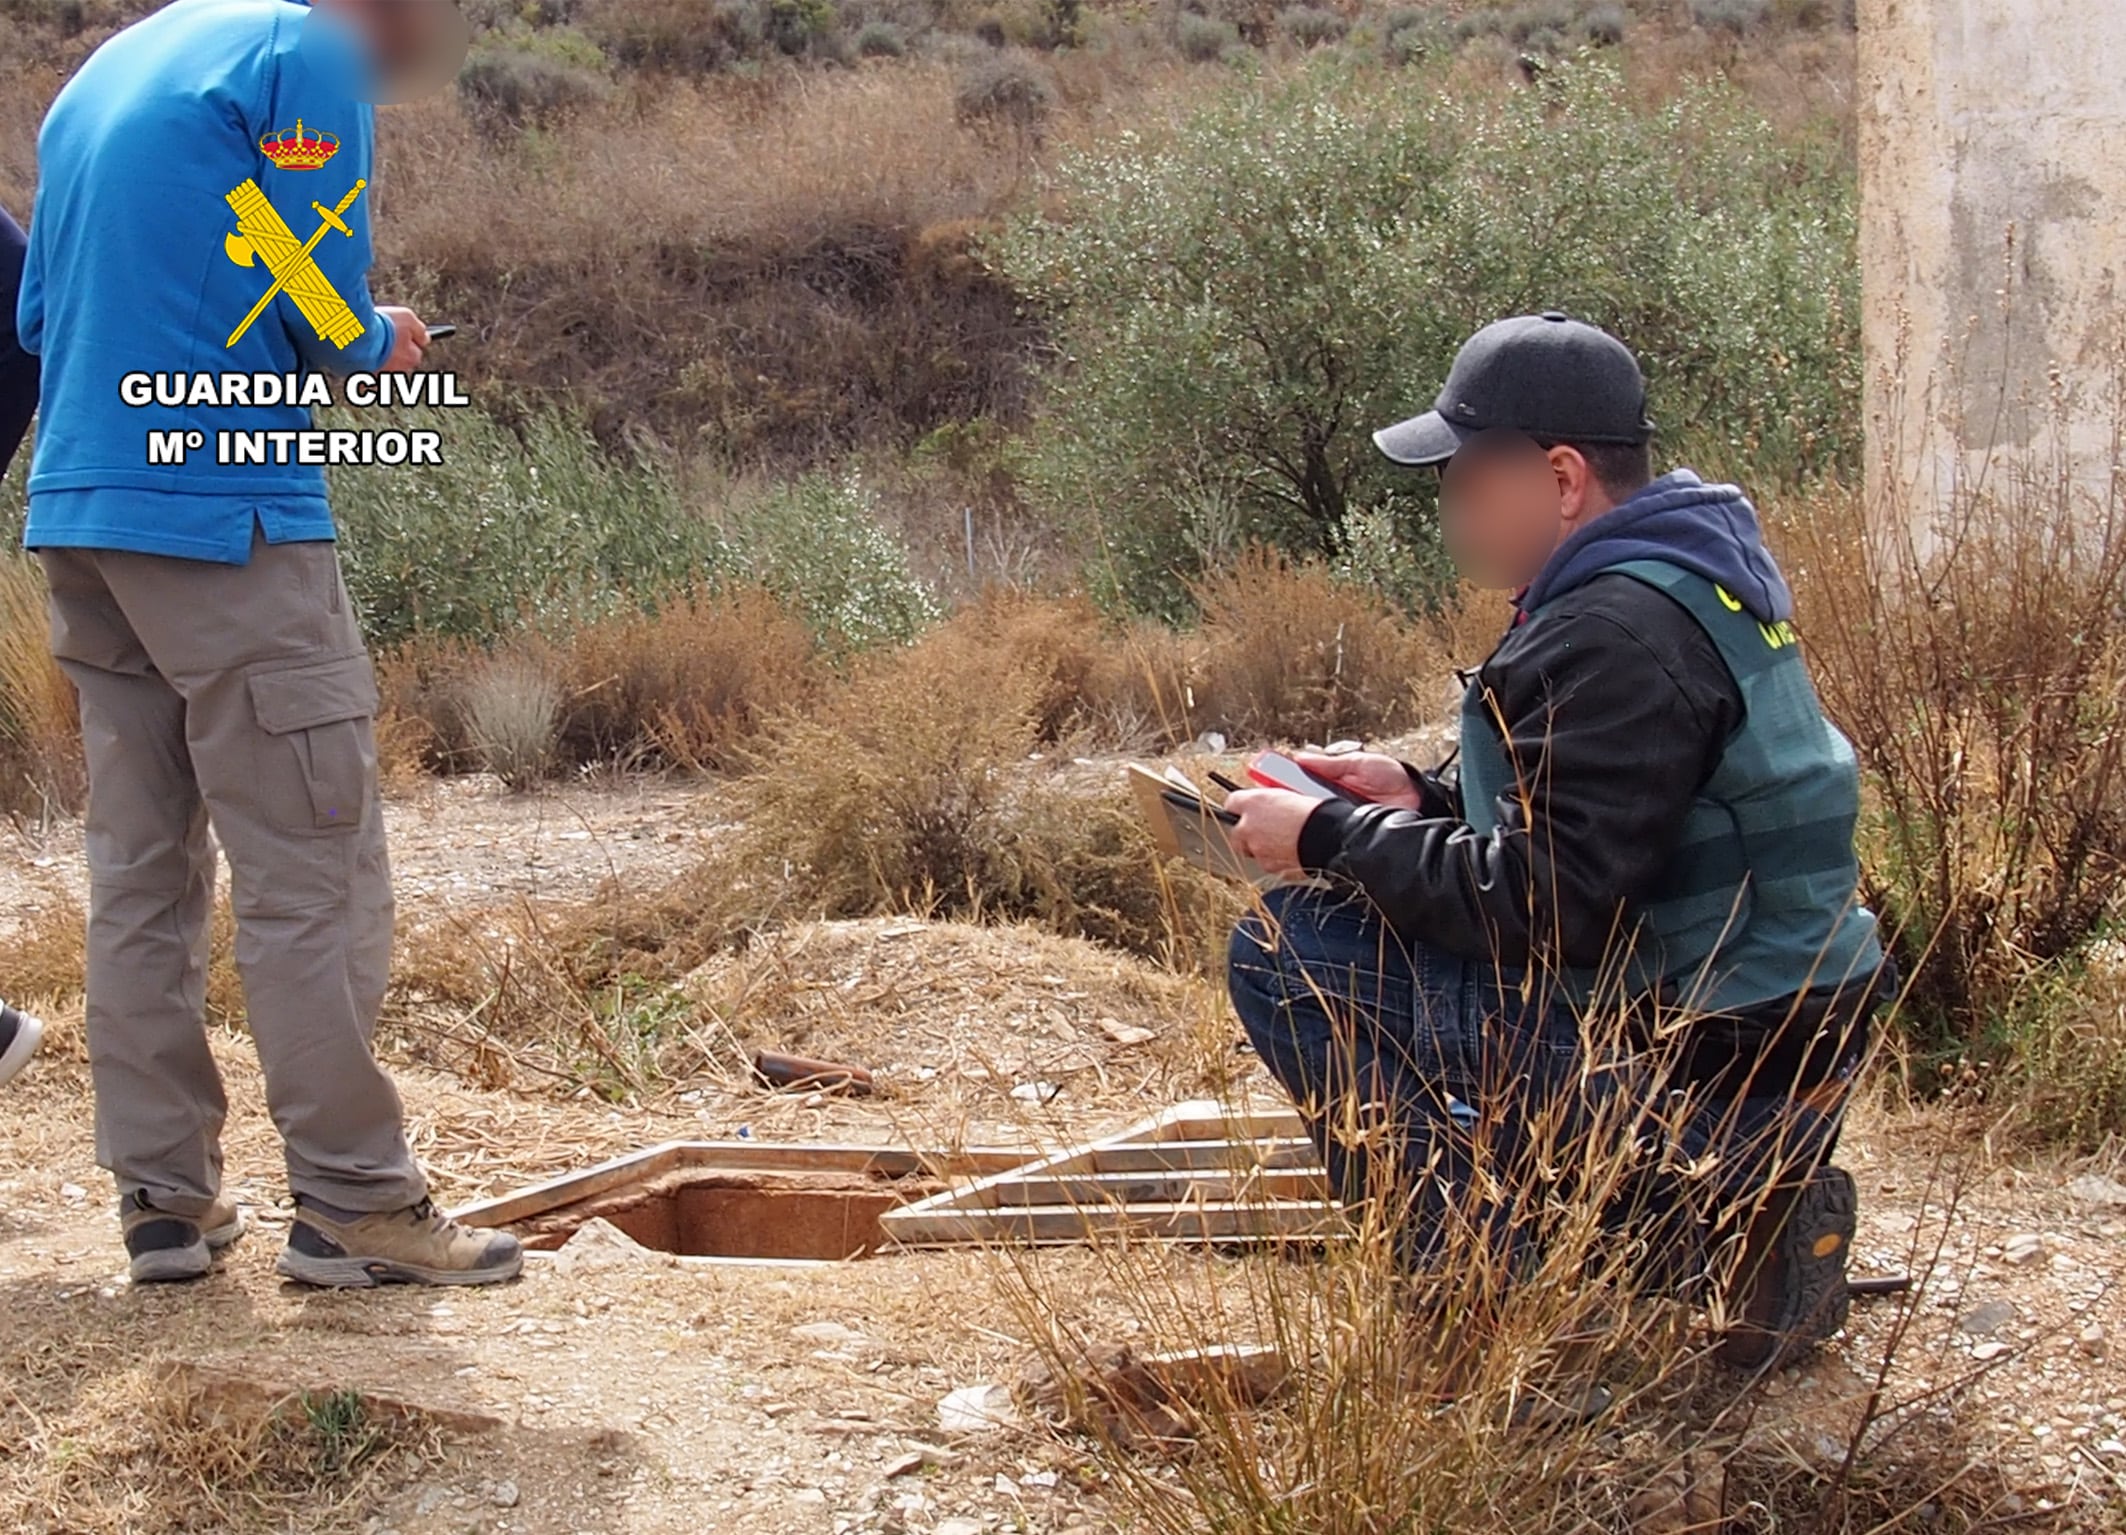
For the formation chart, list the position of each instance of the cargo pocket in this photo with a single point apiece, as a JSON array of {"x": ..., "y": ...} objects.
[{"x": 317, "y": 769}]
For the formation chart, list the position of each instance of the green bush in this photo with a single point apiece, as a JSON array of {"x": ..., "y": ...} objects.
[
  {"x": 516, "y": 87},
  {"x": 1602, "y": 26},
  {"x": 1738, "y": 17},
  {"x": 1410, "y": 37},
  {"x": 1311, "y": 26},
  {"x": 881, "y": 40},
  {"x": 512, "y": 528},
  {"x": 1204, "y": 38},
  {"x": 1241, "y": 304},
  {"x": 1007, "y": 89},
  {"x": 819, "y": 545}
]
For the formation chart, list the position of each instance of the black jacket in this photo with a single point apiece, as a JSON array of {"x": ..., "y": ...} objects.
[
  {"x": 1617, "y": 707},
  {"x": 18, "y": 370}
]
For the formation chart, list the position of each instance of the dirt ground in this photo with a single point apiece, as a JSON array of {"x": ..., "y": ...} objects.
[{"x": 615, "y": 1392}]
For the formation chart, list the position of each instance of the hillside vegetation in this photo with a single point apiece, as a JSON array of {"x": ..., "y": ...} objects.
[{"x": 801, "y": 328}]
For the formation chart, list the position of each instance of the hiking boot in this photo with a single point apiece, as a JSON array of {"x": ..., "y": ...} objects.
[
  {"x": 162, "y": 1248},
  {"x": 1794, "y": 1265},
  {"x": 347, "y": 1249},
  {"x": 20, "y": 1034}
]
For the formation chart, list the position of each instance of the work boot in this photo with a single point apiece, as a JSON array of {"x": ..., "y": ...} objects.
[
  {"x": 1794, "y": 1274},
  {"x": 20, "y": 1034},
  {"x": 162, "y": 1248},
  {"x": 350, "y": 1250}
]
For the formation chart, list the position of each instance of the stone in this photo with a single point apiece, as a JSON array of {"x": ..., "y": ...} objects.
[
  {"x": 505, "y": 1495},
  {"x": 1231, "y": 1371},
  {"x": 1126, "y": 1033},
  {"x": 828, "y": 1334},
  {"x": 2097, "y": 1191},
  {"x": 983, "y": 1409},
  {"x": 1688, "y": 1496},
  {"x": 600, "y": 1245},
  {"x": 1991, "y": 1349},
  {"x": 958, "y": 1527},
  {"x": 1985, "y": 1320},
  {"x": 2090, "y": 1340},
  {"x": 2024, "y": 1250}
]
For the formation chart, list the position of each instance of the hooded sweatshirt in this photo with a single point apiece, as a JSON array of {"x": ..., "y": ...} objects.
[
  {"x": 1709, "y": 530},
  {"x": 1616, "y": 707}
]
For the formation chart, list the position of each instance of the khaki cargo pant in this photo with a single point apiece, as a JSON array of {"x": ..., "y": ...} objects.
[{"x": 236, "y": 697}]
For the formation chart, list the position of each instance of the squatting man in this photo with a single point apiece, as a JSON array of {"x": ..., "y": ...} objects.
[{"x": 1648, "y": 806}]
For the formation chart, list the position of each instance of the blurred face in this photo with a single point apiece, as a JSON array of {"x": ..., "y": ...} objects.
[
  {"x": 1506, "y": 503},
  {"x": 416, "y": 46}
]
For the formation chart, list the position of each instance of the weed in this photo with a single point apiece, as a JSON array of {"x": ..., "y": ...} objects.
[
  {"x": 1312, "y": 26},
  {"x": 1974, "y": 659},
  {"x": 1292, "y": 654},
  {"x": 512, "y": 704},
  {"x": 41, "y": 766},
  {"x": 1203, "y": 39}
]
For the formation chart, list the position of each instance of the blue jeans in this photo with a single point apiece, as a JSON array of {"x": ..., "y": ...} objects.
[{"x": 1433, "y": 1081}]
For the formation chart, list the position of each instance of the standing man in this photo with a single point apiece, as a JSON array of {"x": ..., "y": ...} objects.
[
  {"x": 200, "y": 611},
  {"x": 19, "y": 1033},
  {"x": 1651, "y": 808}
]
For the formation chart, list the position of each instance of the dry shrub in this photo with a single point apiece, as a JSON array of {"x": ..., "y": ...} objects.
[
  {"x": 1412, "y": 1401},
  {"x": 1467, "y": 627},
  {"x": 1291, "y": 653},
  {"x": 1979, "y": 666},
  {"x": 421, "y": 716},
  {"x": 41, "y": 766},
  {"x": 736, "y": 264},
  {"x": 896, "y": 792},
  {"x": 1094, "y": 681},
  {"x": 43, "y": 958},
  {"x": 158, "y": 1447},
  {"x": 687, "y": 685},
  {"x": 512, "y": 702}
]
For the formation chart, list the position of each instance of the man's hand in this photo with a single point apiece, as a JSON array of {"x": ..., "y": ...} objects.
[
  {"x": 412, "y": 343},
  {"x": 1270, "y": 823},
  {"x": 1369, "y": 775}
]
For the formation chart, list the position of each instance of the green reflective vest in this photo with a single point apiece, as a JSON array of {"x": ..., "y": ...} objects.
[{"x": 1760, "y": 900}]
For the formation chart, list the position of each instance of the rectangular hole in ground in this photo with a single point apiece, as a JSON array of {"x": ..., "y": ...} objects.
[{"x": 740, "y": 1215}]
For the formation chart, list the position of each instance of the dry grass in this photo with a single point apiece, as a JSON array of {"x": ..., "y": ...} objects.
[
  {"x": 152, "y": 1447},
  {"x": 41, "y": 766},
  {"x": 685, "y": 686},
  {"x": 1291, "y": 653},
  {"x": 512, "y": 703},
  {"x": 1427, "y": 1400},
  {"x": 1979, "y": 667},
  {"x": 688, "y": 685},
  {"x": 775, "y": 269}
]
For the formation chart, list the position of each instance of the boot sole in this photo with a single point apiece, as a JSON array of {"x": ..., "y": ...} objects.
[
  {"x": 173, "y": 1265},
  {"x": 29, "y": 1034},
  {"x": 373, "y": 1273},
  {"x": 1812, "y": 1252}
]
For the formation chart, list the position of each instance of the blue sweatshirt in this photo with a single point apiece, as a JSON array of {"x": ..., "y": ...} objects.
[
  {"x": 1709, "y": 530},
  {"x": 129, "y": 273}
]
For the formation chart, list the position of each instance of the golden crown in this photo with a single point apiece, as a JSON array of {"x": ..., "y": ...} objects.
[{"x": 292, "y": 149}]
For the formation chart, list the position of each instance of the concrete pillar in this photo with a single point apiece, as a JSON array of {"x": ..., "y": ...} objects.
[{"x": 1993, "y": 251}]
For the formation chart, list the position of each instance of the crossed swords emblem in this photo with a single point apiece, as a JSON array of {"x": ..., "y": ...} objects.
[{"x": 262, "y": 235}]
